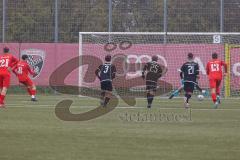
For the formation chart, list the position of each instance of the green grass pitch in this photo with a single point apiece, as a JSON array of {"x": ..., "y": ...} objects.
[{"x": 31, "y": 131}]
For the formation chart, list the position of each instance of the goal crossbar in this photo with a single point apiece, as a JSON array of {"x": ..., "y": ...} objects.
[{"x": 163, "y": 33}]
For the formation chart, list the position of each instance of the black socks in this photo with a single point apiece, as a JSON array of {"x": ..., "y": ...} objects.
[{"x": 150, "y": 98}]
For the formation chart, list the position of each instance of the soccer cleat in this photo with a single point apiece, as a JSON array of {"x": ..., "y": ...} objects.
[
  {"x": 149, "y": 106},
  {"x": 186, "y": 104},
  {"x": 175, "y": 93},
  {"x": 216, "y": 105},
  {"x": 218, "y": 100},
  {"x": 104, "y": 105},
  {"x": 204, "y": 92},
  {"x": 172, "y": 95},
  {"x": 2, "y": 105},
  {"x": 34, "y": 100}
]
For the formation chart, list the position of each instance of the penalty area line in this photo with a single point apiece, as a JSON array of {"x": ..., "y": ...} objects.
[{"x": 81, "y": 107}]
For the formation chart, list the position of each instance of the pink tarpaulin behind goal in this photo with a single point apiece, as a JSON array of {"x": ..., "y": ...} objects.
[{"x": 172, "y": 55}]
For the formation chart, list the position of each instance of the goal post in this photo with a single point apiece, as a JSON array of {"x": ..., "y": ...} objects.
[
  {"x": 233, "y": 69},
  {"x": 228, "y": 76},
  {"x": 80, "y": 53},
  {"x": 137, "y": 48}
]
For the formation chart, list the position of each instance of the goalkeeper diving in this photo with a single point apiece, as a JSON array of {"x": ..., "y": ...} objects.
[
  {"x": 189, "y": 75},
  {"x": 176, "y": 92}
]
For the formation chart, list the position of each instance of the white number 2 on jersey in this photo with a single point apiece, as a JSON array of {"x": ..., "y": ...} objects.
[
  {"x": 214, "y": 67},
  {"x": 190, "y": 69},
  {"x": 4, "y": 62}
]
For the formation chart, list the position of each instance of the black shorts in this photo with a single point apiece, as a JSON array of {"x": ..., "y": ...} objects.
[
  {"x": 189, "y": 87},
  {"x": 151, "y": 86},
  {"x": 106, "y": 85}
]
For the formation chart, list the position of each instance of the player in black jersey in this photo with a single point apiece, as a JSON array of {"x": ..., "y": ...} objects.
[
  {"x": 106, "y": 73},
  {"x": 189, "y": 75},
  {"x": 153, "y": 72}
]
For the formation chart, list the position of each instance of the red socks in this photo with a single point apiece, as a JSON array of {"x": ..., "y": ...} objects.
[
  {"x": 34, "y": 92},
  {"x": 2, "y": 97},
  {"x": 214, "y": 97},
  {"x": 218, "y": 91},
  {"x": 31, "y": 92}
]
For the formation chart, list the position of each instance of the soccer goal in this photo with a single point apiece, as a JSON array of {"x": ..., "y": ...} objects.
[{"x": 131, "y": 50}]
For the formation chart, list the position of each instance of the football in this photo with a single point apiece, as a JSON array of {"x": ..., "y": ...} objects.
[{"x": 200, "y": 97}]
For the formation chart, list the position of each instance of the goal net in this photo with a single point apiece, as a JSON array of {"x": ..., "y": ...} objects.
[{"x": 131, "y": 50}]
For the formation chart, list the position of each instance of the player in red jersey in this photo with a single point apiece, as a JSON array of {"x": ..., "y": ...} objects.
[
  {"x": 215, "y": 75},
  {"x": 22, "y": 69},
  {"x": 7, "y": 61}
]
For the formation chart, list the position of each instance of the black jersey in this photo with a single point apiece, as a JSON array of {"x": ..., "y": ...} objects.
[
  {"x": 106, "y": 72},
  {"x": 154, "y": 71},
  {"x": 189, "y": 71}
]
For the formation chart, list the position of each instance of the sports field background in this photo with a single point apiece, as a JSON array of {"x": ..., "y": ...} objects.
[{"x": 32, "y": 131}]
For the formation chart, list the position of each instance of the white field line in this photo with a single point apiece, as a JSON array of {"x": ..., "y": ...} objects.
[
  {"x": 85, "y": 97},
  {"x": 161, "y": 101},
  {"x": 74, "y": 106}
]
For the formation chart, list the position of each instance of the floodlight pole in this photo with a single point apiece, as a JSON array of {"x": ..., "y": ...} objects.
[
  {"x": 56, "y": 22},
  {"x": 165, "y": 22},
  {"x": 221, "y": 19},
  {"x": 109, "y": 15},
  {"x": 55, "y": 33},
  {"x": 3, "y": 20},
  {"x": 222, "y": 16},
  {"x": 109, "y": 19}
]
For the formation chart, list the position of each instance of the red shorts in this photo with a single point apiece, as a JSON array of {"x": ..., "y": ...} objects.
[
  {"x": 26, "y": 81},
  {"x": 4, "y": 81},
  {"x": 214, "y": 83}
]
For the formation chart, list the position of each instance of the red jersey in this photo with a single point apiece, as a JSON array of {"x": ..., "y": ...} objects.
[
  {"x": 22, "y": 69},
  {"x": 214, "y": 69},
  {"x": 6, "y": 61}
]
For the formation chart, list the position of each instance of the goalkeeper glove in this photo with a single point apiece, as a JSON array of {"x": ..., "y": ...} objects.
[{"x": 205, "y": 93}]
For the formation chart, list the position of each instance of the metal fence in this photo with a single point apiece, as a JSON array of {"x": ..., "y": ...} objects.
[{"x": 61, "y": 20}]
